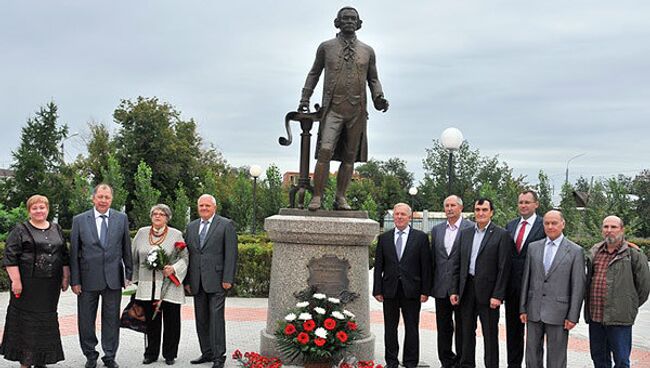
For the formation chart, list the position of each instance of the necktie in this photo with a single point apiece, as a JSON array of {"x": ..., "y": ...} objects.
[
  {"x": 548, "y": 256},
  {"x": 520, "y": 236},
  {"x": 398, "y": 245},
  {"x": 103, "y": 233},
  {"x": 204, "y": 232}
]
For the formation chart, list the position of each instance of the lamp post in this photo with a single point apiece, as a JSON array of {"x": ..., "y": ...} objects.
[
  {"x": 255, "y": 172},
  {"x": 63, "y": 147},
  {"x": 566, "y": 175},
  {"x": 451, "y": 139},
  {"x": 413, "y": 191}
]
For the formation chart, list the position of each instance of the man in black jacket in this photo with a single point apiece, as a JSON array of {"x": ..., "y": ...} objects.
[
  {"x": 402, "y": 280},
  {"x": 480, "y": 278}
]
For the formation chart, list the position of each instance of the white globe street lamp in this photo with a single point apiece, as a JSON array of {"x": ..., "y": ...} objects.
[
  {"x": 413, "y": 191},
  {"x": 451, "y": 139}
]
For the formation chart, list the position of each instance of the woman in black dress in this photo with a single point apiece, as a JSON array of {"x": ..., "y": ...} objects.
[{"x": 36, "y": 258}]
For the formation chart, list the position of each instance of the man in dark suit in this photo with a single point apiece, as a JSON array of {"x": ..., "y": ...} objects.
[
  {"x": 100, "y": 265},
  {"x": 212, "y": 244},
  {"x": 443, "y": 249},
  {"x": 479, "y": 281},
  {"x": 552, "y": 291},
  {"x": 524, "y": 230},
  {"x": 402, "y": 280}
]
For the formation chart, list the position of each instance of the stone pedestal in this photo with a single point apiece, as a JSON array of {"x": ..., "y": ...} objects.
[{"x": 301, "y": 236}]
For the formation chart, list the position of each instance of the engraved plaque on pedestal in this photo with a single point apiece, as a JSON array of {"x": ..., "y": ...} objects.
[{"x": 329, "y": 274}]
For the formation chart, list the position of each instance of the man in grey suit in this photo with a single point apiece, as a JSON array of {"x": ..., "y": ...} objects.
[
  {"x": 100, "y": 265},
  {"x": 551, "y": 293},
  {"x": 443, "y": 249},
  {"x": 212, "y": 243}
]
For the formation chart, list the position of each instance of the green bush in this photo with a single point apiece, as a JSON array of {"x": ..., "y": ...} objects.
[
  {"x": 253, "y": 277},
  {"x": 4, "y": 277}
]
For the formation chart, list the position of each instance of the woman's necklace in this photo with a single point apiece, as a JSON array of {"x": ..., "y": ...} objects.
[{"x": 156, "y": 238}]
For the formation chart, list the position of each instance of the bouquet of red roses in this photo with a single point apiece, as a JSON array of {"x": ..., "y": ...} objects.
[
  {"x": 318, "y": 329},
  {"x": 255, "y": 360}
]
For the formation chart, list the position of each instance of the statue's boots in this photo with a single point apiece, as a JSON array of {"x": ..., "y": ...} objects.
[
  {"x": 341, "y": 204},
  {"x": 314, "y": 204}
]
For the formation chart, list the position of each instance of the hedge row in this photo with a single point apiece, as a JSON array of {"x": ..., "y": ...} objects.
[
  {"x": 256, "y": 252},
  {"x": 253, "y": 273}
]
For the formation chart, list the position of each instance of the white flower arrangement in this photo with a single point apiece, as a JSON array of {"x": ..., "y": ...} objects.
[
  {"x": 348, "y": 313},
  {"x": 319, "y": 296},
  {"x": 290, "y": 317},
  {"x": 319, "y": 310},
  {"x": 321, "y": 332},
  {"x": 302, "y": 304},
  {"x": 338, "y": 315},
  {"x": 334, "y": 300},
  {"x": 305, "y": 316}
]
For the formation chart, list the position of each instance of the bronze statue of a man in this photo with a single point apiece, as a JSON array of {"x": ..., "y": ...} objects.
[{"x": 342, "y": 136}]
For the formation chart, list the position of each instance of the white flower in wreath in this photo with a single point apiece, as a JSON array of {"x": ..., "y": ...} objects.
[
  {"x": 334, "y": 300},
  {"x": 302, "y": 304},
  {"x": 348, "y": 313},
  {"x": 338, "y": 315},
  {"x": 290, "y": 317},
  {"x": 321, "y": 332},
  {"x": 319, "y": 310},
  {"x": 304, "y": 316},
  {"x": 319, "y": 296}
]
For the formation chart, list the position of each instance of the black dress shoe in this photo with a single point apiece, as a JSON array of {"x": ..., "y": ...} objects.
[
  {"x": 201, "y": 359},
  {"x": 169, "y": 361},
  {"x": 148, "y": 360},
  {"x": 91, "y": 363},
  {"x": 111, "y": 364}
]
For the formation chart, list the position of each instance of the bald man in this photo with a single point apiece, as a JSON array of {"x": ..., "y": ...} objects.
[
  {"x": 552, "y": 291},
  {"x": 618, "y": 283}
]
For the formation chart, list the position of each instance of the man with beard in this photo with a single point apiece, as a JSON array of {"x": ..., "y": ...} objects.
[{"x": 618, "y": 284}]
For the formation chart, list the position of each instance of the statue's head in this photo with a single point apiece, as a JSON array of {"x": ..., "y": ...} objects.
[{"x": 348, "y": 15}]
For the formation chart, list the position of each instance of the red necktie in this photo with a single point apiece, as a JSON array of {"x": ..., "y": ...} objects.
[{"x": 520, "y": 236}]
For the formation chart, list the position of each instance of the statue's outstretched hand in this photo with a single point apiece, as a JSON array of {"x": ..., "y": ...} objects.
[{"x": 381, "y": 104}]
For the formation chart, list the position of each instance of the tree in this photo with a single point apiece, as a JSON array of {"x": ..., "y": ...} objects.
[
  {"x": 180, "y": 208},
  {"x": 390, "y": 184},
  {"x": 242, "y": 204},
  {"x": 270, "y": 195},
  {"x": 112, "y": 175},
  {"x": 641, "y": 188},
  {"x": 544, "y": 193},
  {"x": 38, "y": 159},
  {"x": 153, "y": 132},
  {"x": 144, "y": 197},
  {"x": 81, "y": 194},
  {"x": 473, "y": 176},
  {"x": 620, "y": 203},
  {"x": 100, "y": 148},
  {"x": 569, "y": 211}
]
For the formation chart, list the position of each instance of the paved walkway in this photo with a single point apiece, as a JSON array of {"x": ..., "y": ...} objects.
[{"x": 247, "y": 317}]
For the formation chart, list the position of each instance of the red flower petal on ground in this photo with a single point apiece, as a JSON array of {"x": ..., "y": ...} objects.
[
  {"x": 342, "y": 336},
  {"x": 303, "y": 338},
  {"x": 289, "y": 329},
  {"x": 320, "y": 341},
  {"x": 309, "y": 325},
  {"x": 352, "y": 326},
  {"x": 329, "y": 324}
]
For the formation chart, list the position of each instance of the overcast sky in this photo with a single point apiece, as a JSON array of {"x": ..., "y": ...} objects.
[{"x": 535, "y": 82}]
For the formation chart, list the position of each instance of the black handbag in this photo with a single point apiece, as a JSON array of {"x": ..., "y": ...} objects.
[{"x": 133, "y": 316}]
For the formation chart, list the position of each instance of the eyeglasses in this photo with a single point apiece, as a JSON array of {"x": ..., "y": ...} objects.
[{"x": 156, "y": 214}]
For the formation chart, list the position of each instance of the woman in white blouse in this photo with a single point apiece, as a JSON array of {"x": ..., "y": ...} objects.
[{"x": 156, "y": 291}]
